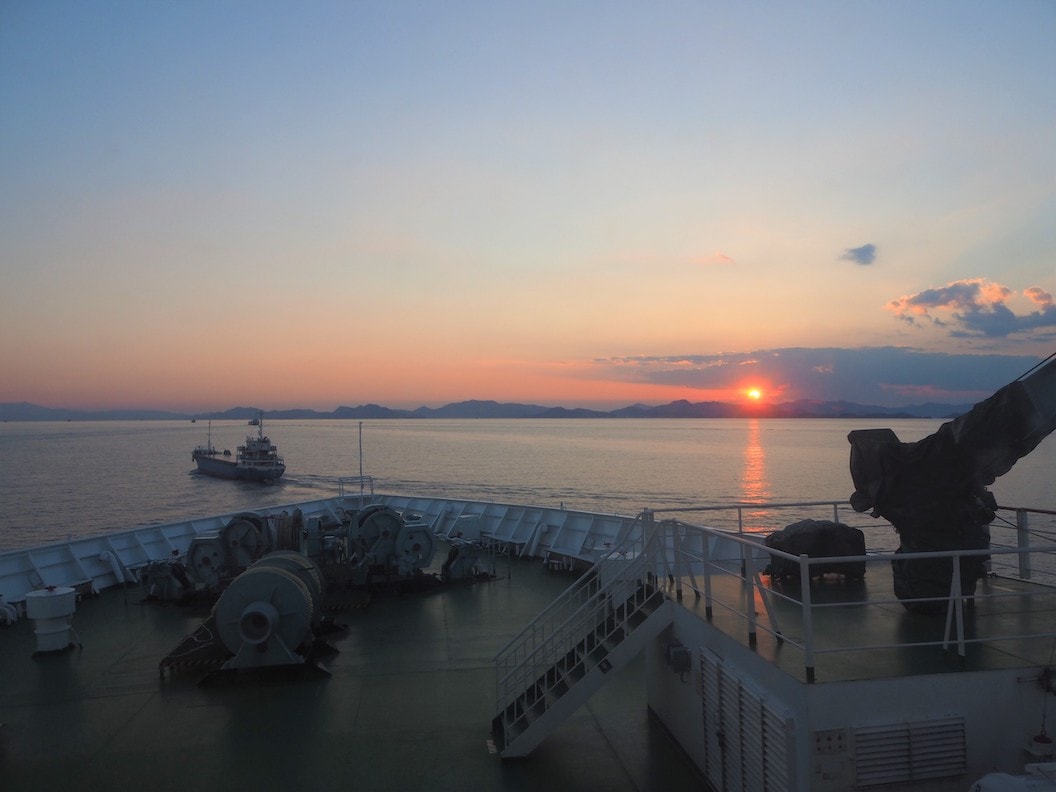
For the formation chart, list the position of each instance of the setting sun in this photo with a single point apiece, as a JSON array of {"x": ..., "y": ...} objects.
[{"x": 755, "y": 394}]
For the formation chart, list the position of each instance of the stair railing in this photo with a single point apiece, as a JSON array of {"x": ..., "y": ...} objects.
[{"x": 587, "y": 613}]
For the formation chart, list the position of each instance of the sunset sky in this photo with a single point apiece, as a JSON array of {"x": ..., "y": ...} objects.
[{"x": 205, "y": 204}]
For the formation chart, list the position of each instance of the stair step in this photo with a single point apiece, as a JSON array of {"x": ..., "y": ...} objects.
[
  {"x": 576, "y": 672},
  {"x": 513, "y": 730},
  {"x": 538, "y": 698},
  {"x": 638, "y": 618},
  {"x": 498, "y": 731},
  {"x": 598, "y": 653},
  {"x": 609, "y": 632},
  {"x": 536, "y": 709},
  {"x": 558, "y": 690},
  {"x": 572, "y": 678}
]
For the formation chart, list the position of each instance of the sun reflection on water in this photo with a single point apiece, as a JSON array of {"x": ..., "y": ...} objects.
[{"x": 755, "y": 485}]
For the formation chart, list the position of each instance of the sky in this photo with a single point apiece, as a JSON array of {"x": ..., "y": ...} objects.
[{"x": 317, "y": 204}]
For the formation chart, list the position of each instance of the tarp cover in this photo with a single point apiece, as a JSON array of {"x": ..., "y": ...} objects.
[
  {"x": 817, "y": 539},
  {"x": 934, "y": 490}
]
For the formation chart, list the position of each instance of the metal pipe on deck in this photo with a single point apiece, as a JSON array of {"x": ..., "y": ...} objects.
[
  {"x": 707, "y": 578},
  {"x": 1023, "y": 542},
  {"x": 747, "y": 560},
  {"x": 808, "y": 616}
]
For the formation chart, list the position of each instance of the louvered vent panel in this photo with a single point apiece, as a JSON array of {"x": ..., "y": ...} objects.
[
  {"x": 779, "y": 737},
  {"x": 729, "y": 687},
  {"x": 709, "y": 683},
  {"x": 900, "y": 752},
  {"x": 941, "y": 749},
  {"x": 748, "y": 745},
  {"x": 751, "y": 740}
]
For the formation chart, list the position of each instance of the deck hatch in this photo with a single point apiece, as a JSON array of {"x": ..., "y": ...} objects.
[
  {"x": 746, "y": 738},
  {"x": 911, "y": 751}
]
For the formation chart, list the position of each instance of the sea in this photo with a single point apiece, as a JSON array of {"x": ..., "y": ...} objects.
[{"x": 60, "y": 480}]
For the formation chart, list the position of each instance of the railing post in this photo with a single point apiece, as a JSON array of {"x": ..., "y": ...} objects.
[
  {"x": 1023, "y": 541},
  {"x": 808, "y": 616},
  {"x": 740, "y": 532},
  {"x": 647, "y": 546},
  {"x": 676, "y": 548},
  {"x": 659, "y": 541},
  {"x": 749, "y": 592},
  {"x": 648, "y": 526},
  {"x": 693, "y": 575},
  {"x": 500, "y": 698},
  {"x": 955, "y": 608},
  {"x": 707, "y": 577}
]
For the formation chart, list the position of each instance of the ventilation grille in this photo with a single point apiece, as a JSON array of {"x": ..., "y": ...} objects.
[
  {"x": 748, "y": 742},
  {"x": 900, "y": 752}
]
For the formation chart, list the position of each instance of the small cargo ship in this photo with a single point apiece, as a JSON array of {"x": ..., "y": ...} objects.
[{"x": 257, "y": 460}]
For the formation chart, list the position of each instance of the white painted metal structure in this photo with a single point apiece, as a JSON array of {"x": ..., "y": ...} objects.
[
  {"x": 825, "y": 686},
  {"x": 835, "y": 686},
  {"x": 819, "y": 687},
  {"x": 91, "y": 564}
]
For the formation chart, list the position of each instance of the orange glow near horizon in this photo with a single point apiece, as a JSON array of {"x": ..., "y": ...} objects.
[
  {"x": 327, "y": 379},
  {"x": 300, "y": 382}
]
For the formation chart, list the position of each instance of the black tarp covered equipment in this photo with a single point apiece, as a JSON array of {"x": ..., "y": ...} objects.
[
  {"x": 934, "y": 491},
  {"x": 817, "y": 539}
]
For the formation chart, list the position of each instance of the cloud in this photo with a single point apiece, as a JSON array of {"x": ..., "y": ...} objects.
[
  {"x": 886, "y": 376},
  {"x": 975, "y": 308},
  {"x": 712, "y": 259},
  {"x": 1038, "y": 296},
  {"x": 864, "y": 255}
]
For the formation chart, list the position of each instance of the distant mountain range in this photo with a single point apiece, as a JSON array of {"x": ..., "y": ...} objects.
[{"x": 24, "y": 411}]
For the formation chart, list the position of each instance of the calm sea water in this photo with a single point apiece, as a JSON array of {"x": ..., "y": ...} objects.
[{"x": 84, "y": 478}]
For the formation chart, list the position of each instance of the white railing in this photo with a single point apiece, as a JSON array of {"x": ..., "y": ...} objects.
[
  {"x": 1023, "y": 548},
  {"x": 612, "y": 585},
  {"x": 364, "y": 485},
  {"x": 100, "y": 562}
]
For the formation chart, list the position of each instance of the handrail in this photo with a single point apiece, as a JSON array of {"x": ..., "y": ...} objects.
[
  {"x": 366, "y": 486},
  {"x": 581, "y": 608},
  {"x": 743, "y": 506},
  {"x": 680, "y": 551},
  {"x": 626, "y": 545},
  {"x": 954, "y": 631}
]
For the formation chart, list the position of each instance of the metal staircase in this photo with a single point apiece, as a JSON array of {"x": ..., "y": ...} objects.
[{"x": 564, "y": 656}]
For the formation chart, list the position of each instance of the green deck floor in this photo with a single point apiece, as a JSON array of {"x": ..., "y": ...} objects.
[{"x": 407, "y": 706}]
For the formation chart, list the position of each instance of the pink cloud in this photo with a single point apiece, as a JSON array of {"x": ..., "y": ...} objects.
[
  {"x": 1038, "y": 296},
  {"x": 713, "y": 259},
  {"x": 975, "y": 307}
]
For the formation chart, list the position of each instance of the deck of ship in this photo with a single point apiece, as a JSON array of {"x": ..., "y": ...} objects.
[
  {"x": 407, "y": 705},
  {"x": 861, "y": 631}
]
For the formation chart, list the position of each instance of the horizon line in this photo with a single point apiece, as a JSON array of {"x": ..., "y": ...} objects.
[{"x": 29, "y": 411}]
